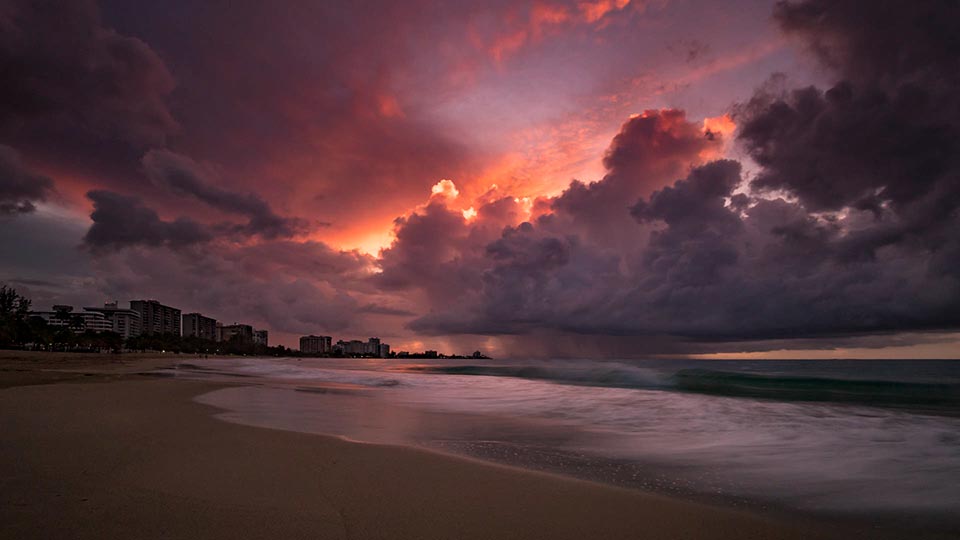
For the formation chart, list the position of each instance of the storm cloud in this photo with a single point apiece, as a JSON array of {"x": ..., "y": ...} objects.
[
  {"x": 123, "y": 220},
  {"x": 20, "y": 187},
  {"x": 75, "y": 91},
  {"x": 186, "y": 177}
]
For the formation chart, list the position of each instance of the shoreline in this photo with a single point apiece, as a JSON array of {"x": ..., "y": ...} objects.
[{"x": 114, "y": 452}]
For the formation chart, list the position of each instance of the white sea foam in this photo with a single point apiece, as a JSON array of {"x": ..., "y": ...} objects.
[{"x": 812, "y": 455}]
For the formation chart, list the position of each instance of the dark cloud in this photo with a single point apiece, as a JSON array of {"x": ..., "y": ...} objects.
[
  {"x": 19, "y": 187},
  {"x": 429, "y": 253},
  {"x": 887, "y": 42},
  {"x": 121, "y": 221},
  {"x": 184, "y": 176},
  {"x": 650, "y": 151},
  {"x": 886, "y": 133},
  {"x": 75, "y": 91},
  {"x": 709, "y": 274},
  {"x": 377, "y": 309}
]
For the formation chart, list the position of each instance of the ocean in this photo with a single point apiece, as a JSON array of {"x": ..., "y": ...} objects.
[{"x": 873, "y": 440}]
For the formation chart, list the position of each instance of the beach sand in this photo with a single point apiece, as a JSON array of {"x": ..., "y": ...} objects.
[{"x": 92, "y": 447}]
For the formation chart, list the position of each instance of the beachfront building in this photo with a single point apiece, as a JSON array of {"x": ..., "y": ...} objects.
[
  {"x": 316, "y": 344},
  {"x": 260, "y": 337},
  {"x": 125, "y": 322},
  {"x": 64, "y": 317},
  {"x": 355, "y": 347},
  {"x": 156, "y": 318},
  {"x": 196, "y": 325},
  {"x": 372, "y": 347},
  {"x": 239, "y": 333}
]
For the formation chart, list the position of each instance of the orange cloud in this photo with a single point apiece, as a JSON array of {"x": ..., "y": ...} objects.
[
  {"x": 541, "y": 19},
  {"x": 594, "y": 11},
  {"x": 723, "y": 125}
]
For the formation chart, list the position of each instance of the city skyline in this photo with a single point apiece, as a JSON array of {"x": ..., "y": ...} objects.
[{"x": 595, "y": 178}]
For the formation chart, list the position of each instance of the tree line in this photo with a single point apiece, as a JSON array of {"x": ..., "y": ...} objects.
[{"x": 18, "y": 330}]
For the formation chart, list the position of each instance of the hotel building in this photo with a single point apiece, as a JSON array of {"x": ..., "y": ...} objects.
[
  {"x": 125, "y": 322},
  {"x": 156, "y": 318},
  {"x": 316, "y": 344},
  {"x": 64, "y": 317},
  {"x": 196, "y": 325}
]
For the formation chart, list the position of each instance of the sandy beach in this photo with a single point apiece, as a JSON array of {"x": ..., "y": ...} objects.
[{"x": 95, "y": 447}]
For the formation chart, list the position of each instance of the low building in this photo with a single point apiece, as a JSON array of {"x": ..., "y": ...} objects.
[
  {"x": 354, "y": 347},
  {"x": 196, "y": 325},
  {"x": 372, "y": 347},
  {"x": 316, "y": 344},
  {"x": 261, "y": 337},
  {"x": 64, "y": 317},
  {"x": 125, "y": 322}
]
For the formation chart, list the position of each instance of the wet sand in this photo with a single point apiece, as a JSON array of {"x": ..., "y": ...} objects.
[{"x": 93, "y": 447}]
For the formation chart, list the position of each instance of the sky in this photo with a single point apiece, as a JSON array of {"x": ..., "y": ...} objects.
[{"x": 588, "y": 178}]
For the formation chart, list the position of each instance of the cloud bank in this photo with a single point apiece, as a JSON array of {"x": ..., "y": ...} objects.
[{"x": 847, "y": 228}]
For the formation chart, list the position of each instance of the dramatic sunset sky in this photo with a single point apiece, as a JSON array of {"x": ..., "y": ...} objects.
[{"x": 564, "y": 178}]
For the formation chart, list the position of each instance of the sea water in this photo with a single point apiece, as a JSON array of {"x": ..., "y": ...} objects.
[{"x": 858, "y": 438}]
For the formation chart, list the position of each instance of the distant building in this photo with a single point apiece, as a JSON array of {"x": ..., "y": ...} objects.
[
  {"x": 196, "y": 325},
  {"x": 240, "y": 333},
  {"x": 260, "y": 337},
  {"x": 477, "y": 354},
  {"x": 430, "y": 354},
  {"x": 355, "y": 347},
  {"x": 372, "y": 347},
  {"x": 125, "y": 322},
  {"x": 63, "y": 317},
  {"x": 156, "y": 318},
  {"x": 316, "y": 344}
]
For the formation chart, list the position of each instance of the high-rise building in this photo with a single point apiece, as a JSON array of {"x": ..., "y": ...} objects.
[
  {"x": 316, "y": 344},
  {"x": 260, "y": 337},
  {"x": 372, "y": 347},
  {"x": 195, "y": 324},
  {"x": 238, "y": 333},
  {"x": 156, "y": 318},
  {"x": 125, "y": 322},
  {"x": 384, "y": 350}
]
